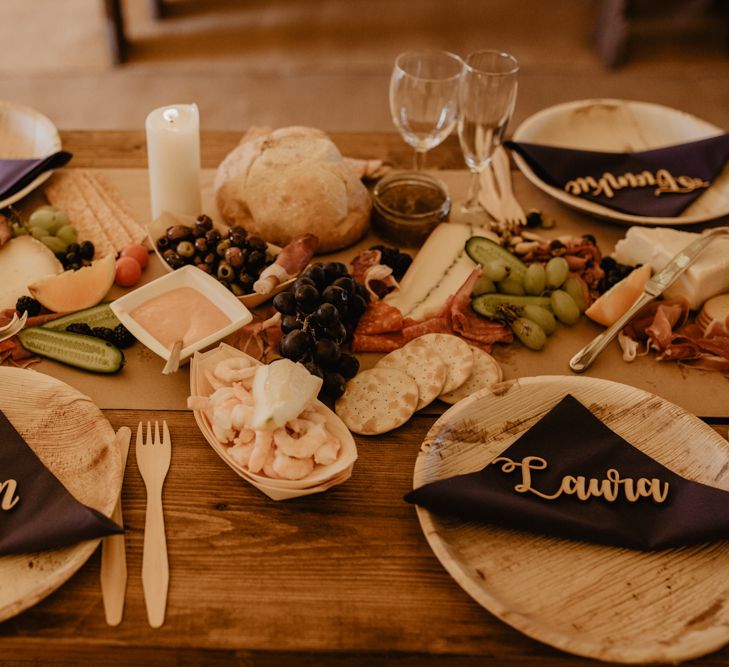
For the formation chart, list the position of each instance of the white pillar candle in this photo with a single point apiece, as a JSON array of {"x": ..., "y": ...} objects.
[{"x": 173, "y": 156}]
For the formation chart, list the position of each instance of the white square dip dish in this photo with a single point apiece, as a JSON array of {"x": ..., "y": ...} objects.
[{"x": 187, "y": 276}]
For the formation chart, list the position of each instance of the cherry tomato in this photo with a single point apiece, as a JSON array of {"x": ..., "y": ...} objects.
[
  {"x": 138, "y": 252},
  {"x": 128, "y": 272}
]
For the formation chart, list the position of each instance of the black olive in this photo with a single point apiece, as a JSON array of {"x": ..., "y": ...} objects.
[
  {"x": 179, "y": 233},
  {"x": 234, "y": 257},
  {"x": 257, "y": 243},
  {"x": 212, "y": 236},
  {"x": 204, "y": 222},
  {"x": 226, "y": 271}
]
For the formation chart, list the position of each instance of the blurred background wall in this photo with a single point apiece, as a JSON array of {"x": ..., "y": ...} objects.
[{"x": 326, "y": 63}]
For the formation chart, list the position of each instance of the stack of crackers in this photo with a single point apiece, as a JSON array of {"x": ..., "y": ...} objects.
[
  {"x": 96, "y": 210},
  {"x": 431, "y": 366}
]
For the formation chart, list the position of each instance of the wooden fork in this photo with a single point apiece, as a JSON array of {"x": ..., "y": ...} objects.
[{"x": 153, "y": 461}]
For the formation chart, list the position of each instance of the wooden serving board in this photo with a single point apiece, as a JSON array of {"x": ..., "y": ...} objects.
[
  {"x": 141, "y": 384},
  {"x": 77, "y": 444},
  {"x": 602, "y": 602}
]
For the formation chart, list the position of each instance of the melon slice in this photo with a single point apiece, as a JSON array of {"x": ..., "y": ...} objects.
[
  {"x": 74, "y": 290},
  {"x": 23, "y": 260},
  {"x": 619, "y": 298}
]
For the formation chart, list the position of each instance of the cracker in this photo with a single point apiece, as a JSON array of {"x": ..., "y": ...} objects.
[
  {"x": 103, "y": 213},
  {"x": 378, "y": 400},
  {"x": 65, "y": 195},
  {"x": 486, "y": 371},
  {"x": 121, "y": 211},
  {"x": 455, "y": 352},
  {"x": 424, "y": 365}
]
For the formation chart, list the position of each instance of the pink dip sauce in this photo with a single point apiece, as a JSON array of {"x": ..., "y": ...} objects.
[{"x": 180, "y": 313}]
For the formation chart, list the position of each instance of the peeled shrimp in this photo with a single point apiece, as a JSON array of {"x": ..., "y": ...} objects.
[
  {"x": 261, "y": 446},
  {"x": 240, "y": 416},
  {"x": 268, "y": 470},
  {"x": 245, "y": 436},
  {"x": 241, "y": 453},
  {"x": 234, "y": 369},
  {"x": 289, "y": 467},
  {"x": 310, "y": 439},
  {"x": 327, "y": 453}
]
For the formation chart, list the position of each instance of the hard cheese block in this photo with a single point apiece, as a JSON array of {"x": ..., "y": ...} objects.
[{"x": 708, "y": 276}]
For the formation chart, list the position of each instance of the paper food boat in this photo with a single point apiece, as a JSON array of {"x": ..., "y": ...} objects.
[{"x": 320, "y": 479}]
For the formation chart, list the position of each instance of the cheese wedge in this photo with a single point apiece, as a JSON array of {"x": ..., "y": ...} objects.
[
  {"x": 438, "y": 270},
  {"x": 708, "y": 276}
]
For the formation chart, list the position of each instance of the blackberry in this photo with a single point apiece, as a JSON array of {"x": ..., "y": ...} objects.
[
  {"x": 26, "y": 304},
  {"x": 105, "y": 333},
  {"x": 80, "y": 328},
  {"x": 122, "y": 337}
]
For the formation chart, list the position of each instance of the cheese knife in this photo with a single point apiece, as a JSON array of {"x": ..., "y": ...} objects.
[
  {"x": 113, "y": 555},
  {"x": 655, "y": 286}
]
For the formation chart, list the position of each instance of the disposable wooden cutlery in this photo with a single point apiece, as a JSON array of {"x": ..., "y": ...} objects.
[
  {"x": 153, "y": 461},
  {"x": 113, "y": 556}
]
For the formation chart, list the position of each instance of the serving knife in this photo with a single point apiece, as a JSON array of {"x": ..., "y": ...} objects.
[
  {"x": 655, "y": 286},
  {"x": 113, "y": 555}
]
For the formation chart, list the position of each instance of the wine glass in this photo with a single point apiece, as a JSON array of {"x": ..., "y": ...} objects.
[
  {"x": 424, "y": 98},
  {"x": 486, "y": 99}
]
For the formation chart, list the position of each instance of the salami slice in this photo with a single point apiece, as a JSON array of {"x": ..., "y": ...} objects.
[
  {"x": 377, "y": 343},
  {"x": 380, "y": 317}
]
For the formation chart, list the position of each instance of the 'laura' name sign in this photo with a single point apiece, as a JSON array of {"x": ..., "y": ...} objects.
[
  {"x": 8, "y": 495},
  {"x": 610, "y": 488},
  {"x": 663, "y": 182}
]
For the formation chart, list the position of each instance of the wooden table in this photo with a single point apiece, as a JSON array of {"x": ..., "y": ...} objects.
[{"x": 340, "y": 578}]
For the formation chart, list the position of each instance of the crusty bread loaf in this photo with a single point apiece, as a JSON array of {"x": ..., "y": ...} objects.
[{"x": 281, "y": 183}]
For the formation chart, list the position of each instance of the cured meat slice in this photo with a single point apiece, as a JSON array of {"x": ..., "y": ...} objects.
[
  {"x": 380, "y": 317},
  {"x": 430, "y": 326},
  {"x": 386, "y": 342},
  {"x": 470, "y": 325}
]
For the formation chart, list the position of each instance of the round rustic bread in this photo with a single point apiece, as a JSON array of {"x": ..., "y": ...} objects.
[
  {"x": 279, "y": 184},
  {"x": 377, "y": 400}
]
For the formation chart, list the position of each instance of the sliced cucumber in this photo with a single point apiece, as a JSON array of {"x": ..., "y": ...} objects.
[
  {"x": 482, "y": 251},
  {"x": 96, "y": 316},
  {"x": 85, "y": 352},
  {"x": 488, "y": 304}
]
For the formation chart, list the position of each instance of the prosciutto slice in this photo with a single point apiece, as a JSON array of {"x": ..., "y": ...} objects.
[
  {"x": 662, "y": 327},
  {"x": 377, "y": 330}
]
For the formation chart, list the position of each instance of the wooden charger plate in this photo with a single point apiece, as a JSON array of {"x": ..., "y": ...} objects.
[
  {"x": 76, "y": 443},
  {"x": 602, "y": 602}
]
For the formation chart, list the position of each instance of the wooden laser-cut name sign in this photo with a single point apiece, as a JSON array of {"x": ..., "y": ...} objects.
[
  {"x": 8, "y": 495},
  {"x": 663, "y": 181},
  {"x": 609, "y": 488}
]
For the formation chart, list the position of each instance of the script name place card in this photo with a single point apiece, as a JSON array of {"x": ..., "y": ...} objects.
[
  {"x": 610, "y": 488},
  {"x": 663, "y": 182},
  {"x": 8, "y": 494}
]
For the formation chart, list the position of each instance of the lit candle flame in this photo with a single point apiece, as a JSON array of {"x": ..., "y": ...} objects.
[{"x": 170, "y": 115}]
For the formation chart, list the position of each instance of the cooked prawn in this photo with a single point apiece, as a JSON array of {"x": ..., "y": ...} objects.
[
  {"x": 327, "y": 453},
  {"x": 261, "y": 446},
  {"x": 234, "y": 369},
  {"x": 241, "y": 453},
  {"x": 310, "y": 439},
  {"x": 289, "y": 467}
]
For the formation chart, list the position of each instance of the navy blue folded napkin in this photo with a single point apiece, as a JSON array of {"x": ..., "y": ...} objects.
[
  {"x": 571, "y": 476},
  {"x": 36, "y": 510},
  {"x": 18, "y": 174},
  {"x": 656, "y": 183}
]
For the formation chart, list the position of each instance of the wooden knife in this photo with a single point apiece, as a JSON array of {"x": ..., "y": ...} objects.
[{"x": 113, "y": 554}]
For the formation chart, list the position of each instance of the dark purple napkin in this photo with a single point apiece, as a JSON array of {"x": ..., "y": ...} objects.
[
  {"x": 572, "y": 441},
  {"x": 17, "y": 174},
  {"x": 629, "y": 182},
  {"x": 37, "y": 513}
]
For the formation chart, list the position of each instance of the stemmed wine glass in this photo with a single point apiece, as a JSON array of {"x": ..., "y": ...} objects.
[
  {"x": 424, "y": 98},
  {"x": 486, "y": 99}
]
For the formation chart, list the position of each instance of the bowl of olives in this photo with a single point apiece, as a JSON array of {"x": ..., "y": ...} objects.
[{"x": 229, "y": 254}]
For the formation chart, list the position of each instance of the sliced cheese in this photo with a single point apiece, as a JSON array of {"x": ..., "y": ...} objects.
[
  {"x": 23, "y": 260},
  {"x": 438, "y": 270},
  {"x": 708, "y": 276}
]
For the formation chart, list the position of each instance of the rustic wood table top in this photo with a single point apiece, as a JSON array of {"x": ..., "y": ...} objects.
[{"x": 344, "y": 577}]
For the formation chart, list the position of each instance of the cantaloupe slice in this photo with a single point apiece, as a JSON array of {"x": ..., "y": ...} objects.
[
  {"x": 620, "y": 297},
  {"x": 73, "y": 290}
]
